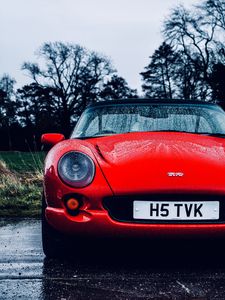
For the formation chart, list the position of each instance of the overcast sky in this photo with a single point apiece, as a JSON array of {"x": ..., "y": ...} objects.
[{"x": 128, "y": 31}]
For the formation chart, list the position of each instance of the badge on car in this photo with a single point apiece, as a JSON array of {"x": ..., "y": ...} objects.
[{"x": 175, "y": 174}]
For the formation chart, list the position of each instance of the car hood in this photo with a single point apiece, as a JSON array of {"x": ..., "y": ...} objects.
[{"x": 140, "y": 163}]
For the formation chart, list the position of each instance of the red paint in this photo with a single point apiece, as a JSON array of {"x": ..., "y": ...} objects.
[
  {"x": 52, "y": 138},
  {"x": 98, "y": 223},
  {"x": 136, "y": 163}
]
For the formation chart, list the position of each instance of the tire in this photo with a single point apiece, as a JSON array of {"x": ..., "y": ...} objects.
[{"x": 53, "y": 242}]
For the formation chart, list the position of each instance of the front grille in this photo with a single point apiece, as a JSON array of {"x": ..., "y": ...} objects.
[{"x": 121, "y": 208}]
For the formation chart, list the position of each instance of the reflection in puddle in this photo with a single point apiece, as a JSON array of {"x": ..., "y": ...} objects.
[
  {"x": 172, "y": 270},
  {"x": 110, "y": 270}
]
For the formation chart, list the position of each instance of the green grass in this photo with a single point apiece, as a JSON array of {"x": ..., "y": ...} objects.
[
  {"x": 22, "y": 162},
  {"x": 21, "y": 184}
]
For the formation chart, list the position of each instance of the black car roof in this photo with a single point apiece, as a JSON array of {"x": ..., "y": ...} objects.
[{"x": 150, "y": 101}]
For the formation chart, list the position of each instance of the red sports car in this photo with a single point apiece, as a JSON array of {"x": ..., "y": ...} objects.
[{"x": 136, "y": 168}]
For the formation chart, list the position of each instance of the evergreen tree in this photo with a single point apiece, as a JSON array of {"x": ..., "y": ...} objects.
[
  {"x": 117, "y": 88},
  {"x": 158, "y": 75}
]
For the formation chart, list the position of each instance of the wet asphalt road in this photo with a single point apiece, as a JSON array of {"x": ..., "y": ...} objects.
[{"x": 155, "y": 274}]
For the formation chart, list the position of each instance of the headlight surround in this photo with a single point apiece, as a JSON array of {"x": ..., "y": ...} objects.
[{"x": 76, "y": 169}]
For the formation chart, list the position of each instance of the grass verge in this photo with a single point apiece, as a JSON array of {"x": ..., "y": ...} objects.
[{"x": 20, "y": 184}]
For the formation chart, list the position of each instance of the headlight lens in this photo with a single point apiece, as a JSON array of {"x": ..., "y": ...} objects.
[{"x": 76, "y": 169}]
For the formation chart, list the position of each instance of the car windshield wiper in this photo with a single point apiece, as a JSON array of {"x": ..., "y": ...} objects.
[
  {"x": 222, "y": 135},
  {"x": 93, "y": 136},
  {"x": 152, "y": 131},
  {"x": 183, "y": 131},
  {"x": 217, "y": 134}
]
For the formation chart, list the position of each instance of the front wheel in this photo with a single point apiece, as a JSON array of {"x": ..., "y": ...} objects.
[{"x": 53, "y": 242}]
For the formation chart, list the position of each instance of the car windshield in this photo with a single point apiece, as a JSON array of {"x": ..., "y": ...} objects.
[{"x": 125, "y": 118}]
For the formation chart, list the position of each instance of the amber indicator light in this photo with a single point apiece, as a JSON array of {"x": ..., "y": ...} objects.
[{"x": 72, "y": 204}]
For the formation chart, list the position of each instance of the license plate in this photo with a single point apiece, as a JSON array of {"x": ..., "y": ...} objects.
[{"x": 153, "y": 210}]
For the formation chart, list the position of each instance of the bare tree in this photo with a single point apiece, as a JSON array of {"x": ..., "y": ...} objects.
[
  {"x": 214, "y": 10},
  {"x": 189, "y": 32},
  {"x": 73, "y": 73}
]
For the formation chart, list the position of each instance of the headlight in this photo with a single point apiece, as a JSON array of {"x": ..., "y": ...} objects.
[{"x": 76, "y": 169}]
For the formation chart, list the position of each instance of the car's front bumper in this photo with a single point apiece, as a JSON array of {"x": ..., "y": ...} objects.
[{"x": 97, "y": 223}]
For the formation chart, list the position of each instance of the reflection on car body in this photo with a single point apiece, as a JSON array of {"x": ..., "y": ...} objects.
[{"x": 136, "y": 168}]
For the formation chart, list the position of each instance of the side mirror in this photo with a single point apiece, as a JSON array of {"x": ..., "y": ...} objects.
[{"x": 52, "y": 138}]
